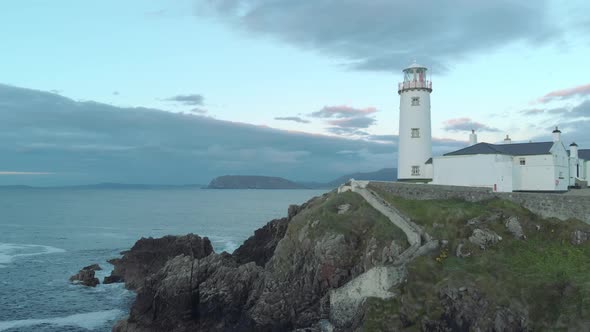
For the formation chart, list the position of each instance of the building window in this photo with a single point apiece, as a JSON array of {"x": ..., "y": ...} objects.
[
  {"x": 415, "y": 101},
  {"x": 415, "y": 132},
  {"x": 522, "y": 161},
  {"x": 415, "y": 170}
]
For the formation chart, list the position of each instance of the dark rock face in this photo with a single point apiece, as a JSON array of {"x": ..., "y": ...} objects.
[
  {"x": 466, "y": 309},
  {"x": 278, "y": 280},
  {"x": 86, "y": 276},
  {"x": 260, "y": 247},
  {"x": 149, "y": 255}
]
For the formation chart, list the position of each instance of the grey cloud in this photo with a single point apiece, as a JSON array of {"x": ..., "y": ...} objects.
[
  {"x": 292, "y": 118},
  {"x": 342, "y": 112},
  {"x": 198, "y": 110},
  {"x": 191, "y": 100},
  {"x": 86, "y": 142},
  {"x": 466, "y": 124},
  {"x": 388, "y": 34},
  {"x": 534, "y": 111},
  {"x": 347, "y": 131},
  {"x": 358, "y": 122}
]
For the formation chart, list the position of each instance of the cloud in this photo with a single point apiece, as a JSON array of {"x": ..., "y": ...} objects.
[
  {"x": 24, "y": 173},
  {"x": 89, "y": 142},
  {"x": 292, "y": 118},
  {"x": 347, "y": 131},
  {"x": 357, "y": 122},
  {"x": 190, "y": 100},
  {"x": 346, "y": 120},
  {"x": 466, "y": 124},
  {"x": 388, "y": 34},
  {"x": 534, "y": 111},
  {"x": 116, "y": 93},
  {"x": 342, "y": 112},
  {"x": 198, "y": 110},
  {"x": 578, "y": 91}
]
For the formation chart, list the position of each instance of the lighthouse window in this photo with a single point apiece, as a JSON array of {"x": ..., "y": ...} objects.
[
  {"x": 415, "y": 101},
  {"x": 522, "y": 161},
  {"x": 415, "y": 132},
  {"x": 415, "y": 170}
]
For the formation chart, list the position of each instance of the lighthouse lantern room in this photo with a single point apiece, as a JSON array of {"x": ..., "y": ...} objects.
[{"x": 415, "y": 137}]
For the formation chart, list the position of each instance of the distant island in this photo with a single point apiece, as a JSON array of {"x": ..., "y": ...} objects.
[
  {"x": 269, "y": 182},
  {"x": 252, "y": 182},
  {"x": 233, "y": 182}
]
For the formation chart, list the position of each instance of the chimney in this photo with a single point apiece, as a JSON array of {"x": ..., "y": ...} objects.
[
  {"x": 507, "y": 140},
  {"x": 556, "y": 135},
  {"x": 472, "y": 138},
  {"x": 574, "y": 150}
]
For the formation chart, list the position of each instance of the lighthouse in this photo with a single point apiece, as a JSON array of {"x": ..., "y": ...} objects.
[{"x": 414, "y": 163}]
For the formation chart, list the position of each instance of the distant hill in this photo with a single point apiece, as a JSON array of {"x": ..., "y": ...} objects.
[
  {"x": 252, "y": 182},
  {"x": 385, "y": 174}
]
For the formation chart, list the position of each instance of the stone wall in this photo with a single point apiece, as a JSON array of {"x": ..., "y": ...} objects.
[{"x": 547, "y": 205}]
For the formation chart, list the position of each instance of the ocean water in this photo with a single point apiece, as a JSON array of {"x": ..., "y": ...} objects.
[{"x": 47, "y": 235}]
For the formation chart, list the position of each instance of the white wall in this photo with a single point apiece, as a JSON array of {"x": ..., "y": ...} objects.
[
  {"x": 548, "y": 172},
  {"x": 483, "y": 170},
  {"x": 414, "y": 151}
]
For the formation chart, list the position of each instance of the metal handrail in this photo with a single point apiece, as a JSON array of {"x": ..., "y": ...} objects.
[{"x": 415, "y": 85}]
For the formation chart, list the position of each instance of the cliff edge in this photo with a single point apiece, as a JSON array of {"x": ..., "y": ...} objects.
[{"x": 339, "y": 263}]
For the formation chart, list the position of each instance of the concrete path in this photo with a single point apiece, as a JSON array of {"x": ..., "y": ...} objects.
[{"x": 378, "y": 281}]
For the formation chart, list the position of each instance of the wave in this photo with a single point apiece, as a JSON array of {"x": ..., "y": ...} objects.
[
  {"x": 10, "y": 251},
  {"x": 221, "y": 243},
  {"x": 89, "y": 321}
]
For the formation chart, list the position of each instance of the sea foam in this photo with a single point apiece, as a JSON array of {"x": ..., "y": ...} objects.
[
  {"x": 10, "y": 251},
  {"x": 89, "y": 321}
]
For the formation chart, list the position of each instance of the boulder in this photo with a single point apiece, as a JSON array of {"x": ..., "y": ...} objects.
[
  {"x": 484, "y": 238},
  {"x": 514, "y": 227},
  {"x": 86, "y": 276},
  {"x": 149, "y": 255},
  {"x": 579, "y": 237}
]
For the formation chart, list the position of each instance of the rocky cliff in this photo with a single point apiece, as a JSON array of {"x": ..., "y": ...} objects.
[{"x": 498, "y": 268}]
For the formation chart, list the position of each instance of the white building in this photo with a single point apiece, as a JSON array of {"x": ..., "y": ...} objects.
[
  {"x": 539, "y": 166},
  {"x": 415, "y": 140}
]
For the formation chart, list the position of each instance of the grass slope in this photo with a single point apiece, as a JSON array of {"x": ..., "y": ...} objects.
[{"x": 543, "y": 275}]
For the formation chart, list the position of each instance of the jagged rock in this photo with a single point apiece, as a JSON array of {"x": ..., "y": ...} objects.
[
  {"x": 93, "y": 267},
  {"x": 112, "y": 280},
  {"x": 578, "y": 237},
  {"x": 342, "y": 209},
  {"x": 514, "y": 227},
  {"x": 86, "y": 276},
  {"x": 149, "y": 255},
  {"x": 260, "y": 247},
  {"x": 484, "y": 238},
  {"x": 467, "y": 309},
  {"x": 390, "y": 253}
]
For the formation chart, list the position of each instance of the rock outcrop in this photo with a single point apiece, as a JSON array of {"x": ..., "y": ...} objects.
[
  {"x": 278, "y": 280},
  {"x": 149, "y": 255},
  {"x": 86, "y": 276}
]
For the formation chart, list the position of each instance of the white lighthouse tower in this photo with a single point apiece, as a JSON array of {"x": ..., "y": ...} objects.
[{"x": 415, "y": 138}]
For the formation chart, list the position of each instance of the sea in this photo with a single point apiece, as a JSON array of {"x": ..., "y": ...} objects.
[{"x": 47, "y": 235}]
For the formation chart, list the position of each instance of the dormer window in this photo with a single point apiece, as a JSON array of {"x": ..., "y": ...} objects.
[{"x": 415, "y": 101}]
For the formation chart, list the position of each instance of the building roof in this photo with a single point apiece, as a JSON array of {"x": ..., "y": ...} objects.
[
  {"x": 516, "y": 149},
  {"x": 584, "y": 154},
  {"x": 415, "y": 65}
]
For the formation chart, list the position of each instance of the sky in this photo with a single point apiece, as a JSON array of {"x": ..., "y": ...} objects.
[{"x": 182, "y": 91}]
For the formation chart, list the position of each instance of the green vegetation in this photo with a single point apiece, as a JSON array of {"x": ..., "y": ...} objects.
[
  {"x": 361, "y": 220},
  {"x": 544, "y": 275}
]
